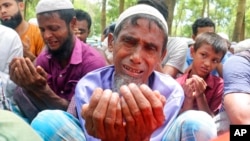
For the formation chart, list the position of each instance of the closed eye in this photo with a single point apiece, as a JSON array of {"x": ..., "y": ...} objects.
[
  {"x": 129, "y": 40},
  {"x": 151, "y": 47}
]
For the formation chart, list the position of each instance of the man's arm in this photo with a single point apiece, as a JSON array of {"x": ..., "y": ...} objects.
[
  {"x": 175, "y": 58},
  {"x": 47, "y": 99},
  {"x": 167, "y": 69},
  {"x": 219, "y": 69},
  {"x": 237, "y": 106},
  {"x": 33, "y": 81},
  {"x": 236, "y": 89}
]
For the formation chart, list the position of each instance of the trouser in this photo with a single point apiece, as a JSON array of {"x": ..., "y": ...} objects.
[
  {"x": 54, "y": 125},
  {"x": 57, "y": 125},
  {"x": 191, "y": 125}
]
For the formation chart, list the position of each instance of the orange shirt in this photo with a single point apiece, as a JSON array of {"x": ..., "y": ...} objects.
[{"x": 34, "y": 37}]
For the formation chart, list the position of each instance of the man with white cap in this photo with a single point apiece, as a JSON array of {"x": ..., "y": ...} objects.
[
  {"x": 127, "y": 101},
  {"x": 50, "y": 84}
]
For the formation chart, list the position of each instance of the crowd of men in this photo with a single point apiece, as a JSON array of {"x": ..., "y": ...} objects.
[{"x": 139, "y": 85}]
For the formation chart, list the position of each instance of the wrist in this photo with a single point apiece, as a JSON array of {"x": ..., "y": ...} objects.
[{"x": 200, "y": 96}]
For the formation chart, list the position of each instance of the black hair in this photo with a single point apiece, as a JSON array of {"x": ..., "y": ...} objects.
[
  {"x": 83, "y": 15},
  {"x": 109, "y": 29},
  {"x": 160, "y": 5},
  {"x": 202, "y": 22},
  {"x": 133, "y": 20}
]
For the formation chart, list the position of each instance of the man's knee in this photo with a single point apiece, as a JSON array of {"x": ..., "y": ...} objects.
[
  {"x": 198, "y": 124},
  {"x": 57, "y": 125}
]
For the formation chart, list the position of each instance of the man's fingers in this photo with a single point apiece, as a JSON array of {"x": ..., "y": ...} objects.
[
  {"x": 41, "y": 71},
  {"x": 84, "y": 110}
]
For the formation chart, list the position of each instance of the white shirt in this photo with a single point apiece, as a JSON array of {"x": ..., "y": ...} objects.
[{"x": 10, "y": 47}]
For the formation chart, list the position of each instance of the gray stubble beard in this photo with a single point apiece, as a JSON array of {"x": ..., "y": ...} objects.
[{"x": 120, "y": 80}]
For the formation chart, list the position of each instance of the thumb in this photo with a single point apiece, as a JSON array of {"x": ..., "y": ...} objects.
[
  {"x": 160, "y": 97},
  {"x": 41, "y": 71},
  {"x": 84, "y": 110}
]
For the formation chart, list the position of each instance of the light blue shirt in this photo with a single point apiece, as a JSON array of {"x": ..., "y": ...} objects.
[{"x": 104, "y": 78}]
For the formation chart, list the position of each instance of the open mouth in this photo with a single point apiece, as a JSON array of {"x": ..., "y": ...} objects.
[
  {"x": 52, "y": 43},
  {"x": 132, "y": 71},
  {"x": 5, "y": 18}
]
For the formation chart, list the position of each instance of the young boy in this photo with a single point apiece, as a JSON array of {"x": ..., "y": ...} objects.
[{"x": 203, "y": 91}]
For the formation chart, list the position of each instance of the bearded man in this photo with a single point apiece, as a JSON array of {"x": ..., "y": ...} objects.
[
  {"x": 50, "y": 84},
  {"x": 11, "y": 15}
]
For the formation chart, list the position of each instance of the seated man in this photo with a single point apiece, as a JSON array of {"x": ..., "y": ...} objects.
[
  {"x": 13, "y": 17},
  {"x": 237, "y": 87},
  {"x": 236, "y": 98},
  {"x": 127, "y": 101},
  {"x": 50, "y": 83},
  {"x": 83, "y": 24},
  {"x": 112, "y": 99},
  {"x": 11, "y": 47}
]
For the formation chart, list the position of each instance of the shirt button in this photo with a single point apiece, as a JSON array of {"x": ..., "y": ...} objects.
[
  {"x": 60, "y": 75},
  {"x": 62, "y": 92}
]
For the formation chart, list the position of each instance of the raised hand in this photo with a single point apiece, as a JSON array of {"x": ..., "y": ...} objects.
[
  {"x": 25, "y": 74},
  {"x": 103, "y": 116},
  {"x": 142, "y": 111},
  {"x": 200, "y": 85}
]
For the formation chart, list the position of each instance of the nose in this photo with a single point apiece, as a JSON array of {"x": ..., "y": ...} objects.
[
  {"x": 2, "y": 11},
  {"x": 207, "y": 62},
  {"x": 136, "y": 56},
  {"x": 46, "y": 34}
]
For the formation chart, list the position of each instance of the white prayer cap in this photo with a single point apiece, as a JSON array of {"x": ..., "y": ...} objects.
[
  {"x": 141, "y": 9},
  {"x": 53, "y": 5}
]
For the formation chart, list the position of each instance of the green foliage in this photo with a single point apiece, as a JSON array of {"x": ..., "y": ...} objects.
[
  {"x": 30, "y": 9},
  {"x": 113, "y": 9},
  {"x": 94, "y": 11},
  {"x": 222, "y": 12}
]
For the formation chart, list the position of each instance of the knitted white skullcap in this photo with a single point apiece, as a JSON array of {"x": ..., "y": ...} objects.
[
  {"x": 141, "y": 9},
  {"x": 53, "y": 5}
]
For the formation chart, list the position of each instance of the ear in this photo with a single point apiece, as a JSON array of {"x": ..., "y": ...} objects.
[
  {"x": 192, "y": 51},
  {"x": 73, "y": 23},
  {"x": 89, "y": 32},
  {"x": 163, "y": 54},
  {"x": 193, "y": 37},
  {"x": 110, "y": 42},
  {"x": 21, "y": 5}
]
